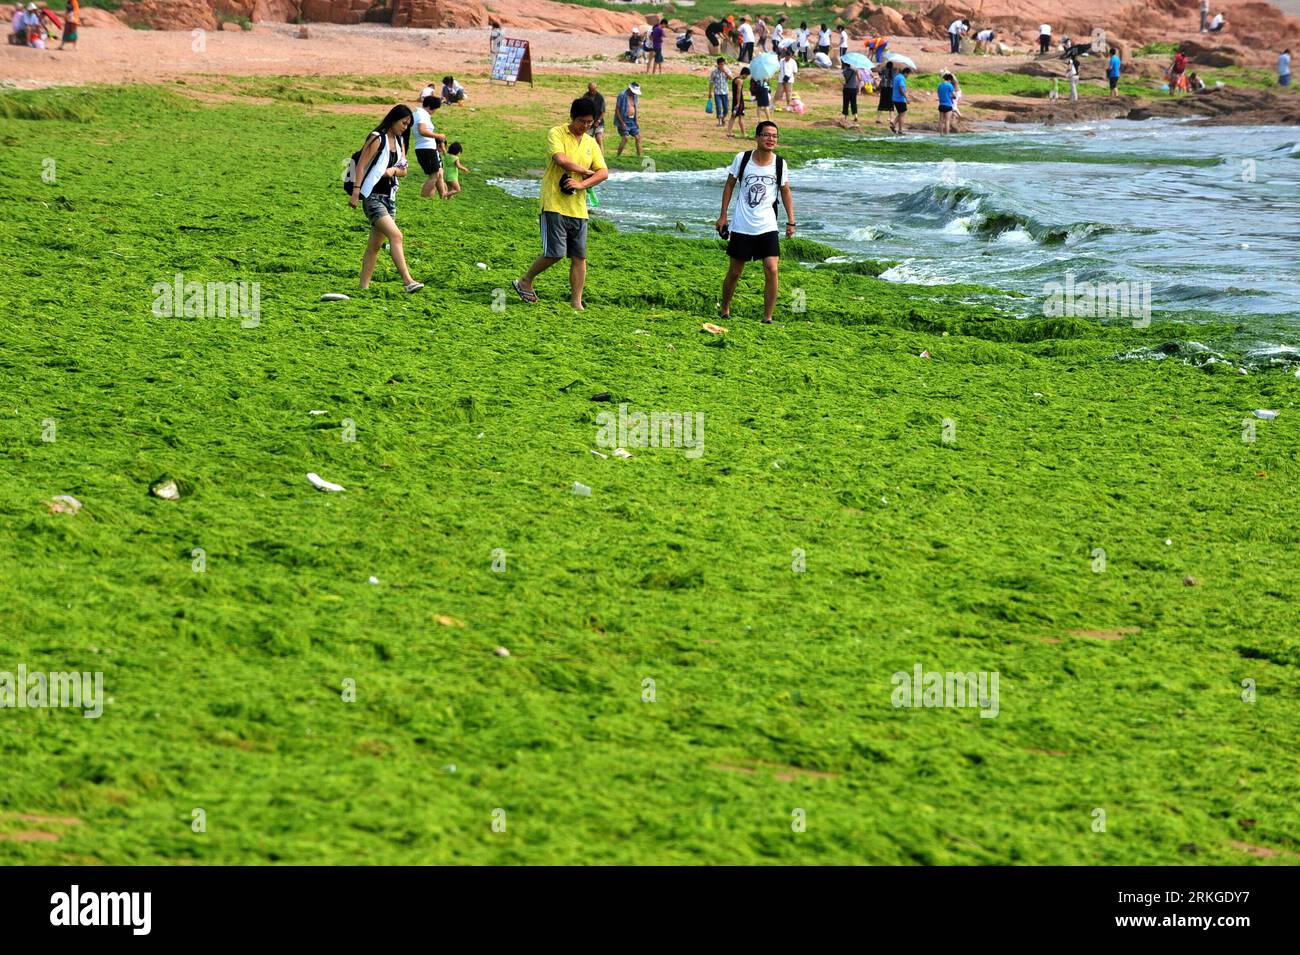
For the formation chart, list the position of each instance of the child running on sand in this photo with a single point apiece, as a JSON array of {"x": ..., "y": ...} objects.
[{"x": 454, "y": 168}]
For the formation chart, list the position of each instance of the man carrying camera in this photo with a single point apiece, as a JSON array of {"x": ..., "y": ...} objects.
[{"x": 574, "y": 166}]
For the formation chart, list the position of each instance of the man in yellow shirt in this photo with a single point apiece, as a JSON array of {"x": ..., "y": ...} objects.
[{"x": 574, "y": 166}]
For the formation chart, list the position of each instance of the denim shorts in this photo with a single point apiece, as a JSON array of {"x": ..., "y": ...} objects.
[{"x": 377, "y": 206}]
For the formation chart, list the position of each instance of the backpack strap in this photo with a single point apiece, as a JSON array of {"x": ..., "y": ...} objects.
[
  {"x": 780, "y": 165},
  {"x": 744, "y": 161}
]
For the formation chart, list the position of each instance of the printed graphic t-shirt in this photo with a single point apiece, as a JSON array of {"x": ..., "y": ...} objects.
[{"x": 755, "y": 194}]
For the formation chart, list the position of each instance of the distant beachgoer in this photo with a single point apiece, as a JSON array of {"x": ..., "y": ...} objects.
[
  {"x": 886, "y": 87},
  {"x": 1194, "y": 82},
  {"x": 1112, "y": 71},
  {"x": 381, "y": 163},
  {"x": 1217, "y": 23},
  {"x": 685, "y": 41},
  {"x": 801, "y": 36},
  {"x": 1178, "y": 74},
  {"x": 852, "y": 82},
  {"x": 574, "y": 164},
  {"x": 713, "y": 36},
  {"x": 719, "y": 86},
  {"x": 1072, "y": 74},
  {"x": 656, "y": 63},
  {"x": 756, "y": 178},
  {"x": 760, "y": 32},
  {"x": 983, "y": 39},
  {"x": 33, "y": 29},
  {"x": 899, "y": 92},
  {"x": 956, "y": 30},
  {"x": 945, "y": 91},
  {"x": 627, "y": 117},
  {"x": 17, "y": 29},
  {"x": 454, "y": 168},
  {"x": 956, "y": 103},
  {"x": 453, "y": 92},
  {"x": 494, "y": 38},
  {"x": 778, "y": 34},
  {"x": 789, "y": 69},
  {"x": 1205, "y": 15},
  {"x": 762, "y": 94},
  {"x": 634, "y": 46},
  {"x": 71, "y": 21},
  {"x": 1284, "y": 68},
  {"x": 844, "y": 41},
  {"x": 824, "y": 41},
  {"x": 738, "y": 101},
  {"x": 1044, "y": 38},
  {"x": 429, "y": 144},
  {"x": 598, "y": 126},
  {"x": 746, "y": 41},
  {"x": 876, "y": 47}
]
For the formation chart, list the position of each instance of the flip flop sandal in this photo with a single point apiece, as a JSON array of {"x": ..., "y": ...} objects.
[
  {"x": 528, "y": 296},
  {"x": 414, "y": 287}
]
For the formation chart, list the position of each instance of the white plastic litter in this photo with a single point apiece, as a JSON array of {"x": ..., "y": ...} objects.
[
  {"x": 315, "y": 412},
  {"x": 501, "y": 652},
  {"x": 334, "y": 297},
  {"x": 320, "y": 482},
  {"x": 598, "y": 454},
  {"x": 622, "y": 453},
  {"x": 481, "y": 265},
  {"x": 63, "y": 504},
  {"x": 374, "y": 580},
  {"x": 1265, "y": 413},
  {"x": 581, "y": 489},
  {"x": 1168, "y": 542},
  {"x": 167, "y": 490}
]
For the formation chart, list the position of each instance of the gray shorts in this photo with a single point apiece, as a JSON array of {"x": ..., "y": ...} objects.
[
  {"x": 563, "y": 236},
  {"x": 377, "y": 206}
]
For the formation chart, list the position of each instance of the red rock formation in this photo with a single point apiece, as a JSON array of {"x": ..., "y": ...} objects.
[
  {"x": 439, "y": 14},
  {"x": 334, "y": 11},
  {"x": 170, "y": 14}
]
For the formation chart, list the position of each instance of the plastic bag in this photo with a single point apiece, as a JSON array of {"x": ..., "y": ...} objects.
[{"x": 708, "y": 105}]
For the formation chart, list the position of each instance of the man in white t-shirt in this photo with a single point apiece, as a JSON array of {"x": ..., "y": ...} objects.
[
  {"x": 756, "y": 178},
  {"x": 429, "y": 144},
  {"x": 844, "y": 41},
  {"x": 801, "y": 37},
  {"x": 956, "y": 30},
  {"x": 746, "y": 41},
  {"x": 1044, "y": 38}
]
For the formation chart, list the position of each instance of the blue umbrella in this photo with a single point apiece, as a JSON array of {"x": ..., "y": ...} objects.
[
  {"x": 856, "y": 60},
  {"x": 764, "y": 65}
]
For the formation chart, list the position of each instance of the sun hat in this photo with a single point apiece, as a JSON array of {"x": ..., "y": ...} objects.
[{"x": 635, "y": 88}]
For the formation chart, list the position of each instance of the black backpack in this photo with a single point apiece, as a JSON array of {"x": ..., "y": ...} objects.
[{"x": 780, "y": 165}]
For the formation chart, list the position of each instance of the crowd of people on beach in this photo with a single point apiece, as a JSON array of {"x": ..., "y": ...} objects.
[{"x": 32, "y": 26}]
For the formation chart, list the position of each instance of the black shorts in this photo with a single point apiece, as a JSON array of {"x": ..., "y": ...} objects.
[
  {"x": 763, "y": 98},
  {"x": 900, "y": 107},
  {"x": 429, "y": 160},
  {"x": 945, "y": 109},
  {"x": 1114, "y": 81},
  {"x": 747, "y": 248}
]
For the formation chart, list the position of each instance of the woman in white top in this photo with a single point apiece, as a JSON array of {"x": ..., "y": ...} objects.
[{"x": 381, "y": 163}]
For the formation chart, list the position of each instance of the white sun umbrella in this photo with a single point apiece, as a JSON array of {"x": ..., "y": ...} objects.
[
  {"x": 764, "y": 65},
  {"x": 901, "y": 60}
]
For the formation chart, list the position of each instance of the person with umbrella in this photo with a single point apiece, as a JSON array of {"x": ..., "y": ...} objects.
[
  {"x": 850, "y": 64},
  {"x": 886, "y": 87},
  {"x": 764, "y": 66}
]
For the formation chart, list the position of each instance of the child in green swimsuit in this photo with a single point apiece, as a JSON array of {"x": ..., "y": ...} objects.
[{"x": 453, "y": 168}]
